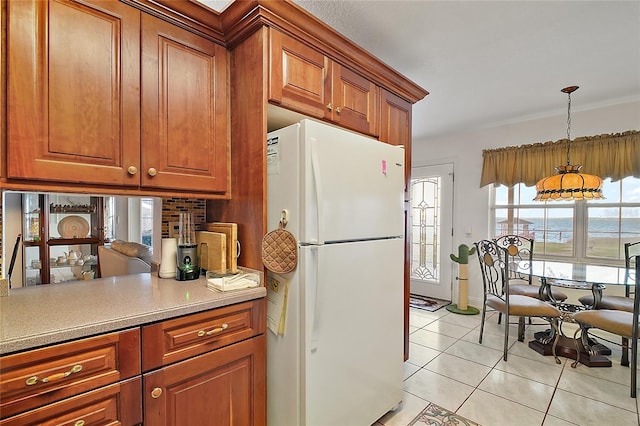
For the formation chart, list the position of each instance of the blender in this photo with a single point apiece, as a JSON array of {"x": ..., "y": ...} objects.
[{"x": 187, "y": 261}]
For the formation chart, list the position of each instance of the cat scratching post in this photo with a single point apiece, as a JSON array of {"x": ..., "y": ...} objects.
[{"x": 462, "y": 259}]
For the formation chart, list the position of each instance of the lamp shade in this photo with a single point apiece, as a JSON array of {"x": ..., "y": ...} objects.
[{"x": 569, "y": 184}]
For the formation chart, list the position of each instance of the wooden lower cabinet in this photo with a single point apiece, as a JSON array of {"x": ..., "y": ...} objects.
[
  {"x": 119, "y": 403},
  {"x": 222, "y": 387},
  {"x": 211, "y": 370}
]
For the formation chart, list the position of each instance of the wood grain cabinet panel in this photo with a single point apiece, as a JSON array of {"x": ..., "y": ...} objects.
[
  {"x": 116, "y": 404},
  {"x": 99, "y": 93},
  {"x": 185, "y": 140},
  {"x": 73, "y": 91},
  {"x": 307, "y": 81},
  {"x": 299, "y": 76},
  {"x": 35, "y": 378},
  {"x": 177, "y": 339},
  {"x": 221, "y": 387},
  {"x": 355, "y": 100},
  {"x": 395, "y": 125}
]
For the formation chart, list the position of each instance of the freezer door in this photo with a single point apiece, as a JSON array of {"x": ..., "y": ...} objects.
[
  {"x": 352, "y": 354},
  {"x": 352, "y": 186}
]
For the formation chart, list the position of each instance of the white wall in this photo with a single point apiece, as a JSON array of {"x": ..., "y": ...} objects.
[{"x": 464, "y": 149}]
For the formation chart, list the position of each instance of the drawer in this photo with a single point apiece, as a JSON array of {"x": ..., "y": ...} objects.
[
  {"x": 39, "y": 377},
  {"x": 119, "y": 403},
  {"x": 177, "y": 339}
]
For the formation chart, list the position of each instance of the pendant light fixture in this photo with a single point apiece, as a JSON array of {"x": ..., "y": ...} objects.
[{"x": 569, "y": 184}]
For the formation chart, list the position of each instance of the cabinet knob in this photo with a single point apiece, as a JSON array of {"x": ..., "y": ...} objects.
[
  {"x": 132, "y": 170},
  {"x": 79, "y": 423},
  {"x": 152, "y": 172},
  {"x": 156, "y": 392},
  {"x": 329, "y": 107},
  {"x": 338, "y": 110}
]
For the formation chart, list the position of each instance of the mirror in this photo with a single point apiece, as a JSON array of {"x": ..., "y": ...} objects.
[{"x": 53, "y": 237}]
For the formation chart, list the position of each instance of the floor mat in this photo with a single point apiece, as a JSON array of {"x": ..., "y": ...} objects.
[
  {"x": 427, "y": 303},
  {"x": 435, "y": 415}
]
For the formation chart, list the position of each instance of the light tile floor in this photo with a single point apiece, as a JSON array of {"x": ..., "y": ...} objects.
[{"x": 448, "y": 367}]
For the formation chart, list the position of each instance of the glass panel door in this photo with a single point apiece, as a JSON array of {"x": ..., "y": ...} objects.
[{"x": 431, "y": 225}]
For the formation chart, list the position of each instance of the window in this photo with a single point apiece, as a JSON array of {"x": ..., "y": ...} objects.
[
  {"x": 109, "y": 218},
  {"x": 129, "y": 219},
  {"x": 425, "y": 227},
  {"x": 590, "y": 232},
  {"x": 146, "y": 221}
]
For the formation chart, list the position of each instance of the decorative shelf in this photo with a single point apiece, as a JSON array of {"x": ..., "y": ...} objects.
[
  {"x": 83, "y": 208},
  {"x": 69, "y": 241}
]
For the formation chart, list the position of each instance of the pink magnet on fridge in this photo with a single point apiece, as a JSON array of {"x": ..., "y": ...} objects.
[{"x": 384, "y": 167}]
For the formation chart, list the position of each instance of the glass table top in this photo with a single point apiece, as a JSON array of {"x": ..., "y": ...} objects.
[{"x": 576, "y": 273}]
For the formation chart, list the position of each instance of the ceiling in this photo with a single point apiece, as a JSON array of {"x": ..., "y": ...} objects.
[{"x": 489, "y": 63}]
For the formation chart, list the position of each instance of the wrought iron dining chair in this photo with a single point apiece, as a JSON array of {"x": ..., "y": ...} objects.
[
  {"x": 493, "y": 262},
  {"x": 520, "y": 251},
  {"x": 619, "y": 303},
  {"x": 622, "y": 323}
]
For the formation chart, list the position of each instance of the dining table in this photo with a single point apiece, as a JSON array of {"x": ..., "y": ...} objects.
[{"x": 578, "y": 276}]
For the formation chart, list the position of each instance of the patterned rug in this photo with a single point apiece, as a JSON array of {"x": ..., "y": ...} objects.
[
  {"x": 434, "y": 415},
  {"x": 427, "y": 303}
]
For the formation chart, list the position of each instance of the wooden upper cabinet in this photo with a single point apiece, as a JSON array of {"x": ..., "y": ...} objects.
[
  {"x": 299, "y": 76},
  {"x": 185, "y": 142},
  {"x": 355, "y": 100},
  {"x": 99, "y": 93},
  {"x": 73, "y": 91},
  {"x": 395, "y": 125},
  {"x": 307, "y": 81}
]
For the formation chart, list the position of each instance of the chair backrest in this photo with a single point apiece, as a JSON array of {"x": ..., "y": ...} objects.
[
  {"x": 520, "y": 250},
  {"x": 636, "y": 311},
  {"x": 631, "y": 251},
  {"x": 492, "y": 266}
]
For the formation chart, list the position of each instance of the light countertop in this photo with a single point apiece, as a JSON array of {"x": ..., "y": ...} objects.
[{"x": 37, "y": 316}]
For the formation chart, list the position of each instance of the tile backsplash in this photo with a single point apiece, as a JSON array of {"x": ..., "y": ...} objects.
[{"x": 172, "y": 207}]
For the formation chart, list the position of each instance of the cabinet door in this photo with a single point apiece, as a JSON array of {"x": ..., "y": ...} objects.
[
  {"x": 299, "y": 76},
  {"x": 185, "y": 141},
  {"x": 117, "y": 404},
  {"x": 180, "y": 338},
  {"x": 73, "y": 91},
  {"x": 223, "y": 387},
  {"x": 35, "y": 378},
  {"x": 355, "y": 100},
  {"x": 395, "y": 126}
]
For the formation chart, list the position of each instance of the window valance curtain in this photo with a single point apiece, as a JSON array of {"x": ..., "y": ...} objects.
[{"x": 611, "y": 155}]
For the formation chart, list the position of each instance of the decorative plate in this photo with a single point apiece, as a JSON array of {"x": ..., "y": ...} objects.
[{"x": 73, "y": 227}]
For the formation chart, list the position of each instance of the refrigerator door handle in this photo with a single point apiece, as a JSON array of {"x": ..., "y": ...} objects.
[
  {"x": 315, "y": 166},
  {"x": 313, "y": 289}
]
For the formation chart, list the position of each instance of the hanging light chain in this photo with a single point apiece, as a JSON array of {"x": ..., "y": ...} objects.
[{"x": 568, "y": 126}]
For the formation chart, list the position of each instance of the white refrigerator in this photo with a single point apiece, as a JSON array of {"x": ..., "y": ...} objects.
[{"x": 340, "y": 359}]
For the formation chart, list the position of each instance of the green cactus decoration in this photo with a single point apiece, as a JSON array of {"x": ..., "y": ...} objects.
[
  {"x": 462, "y": 259},
  {"x": 463, "y": 254}
]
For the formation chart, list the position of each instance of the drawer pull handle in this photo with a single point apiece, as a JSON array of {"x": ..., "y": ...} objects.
[
  {"x": 156, "y": 392},
  {"x": 202, "y": 333},
  {"x": 79, "y": 423},
  {"x": 34, "y": 379}
]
